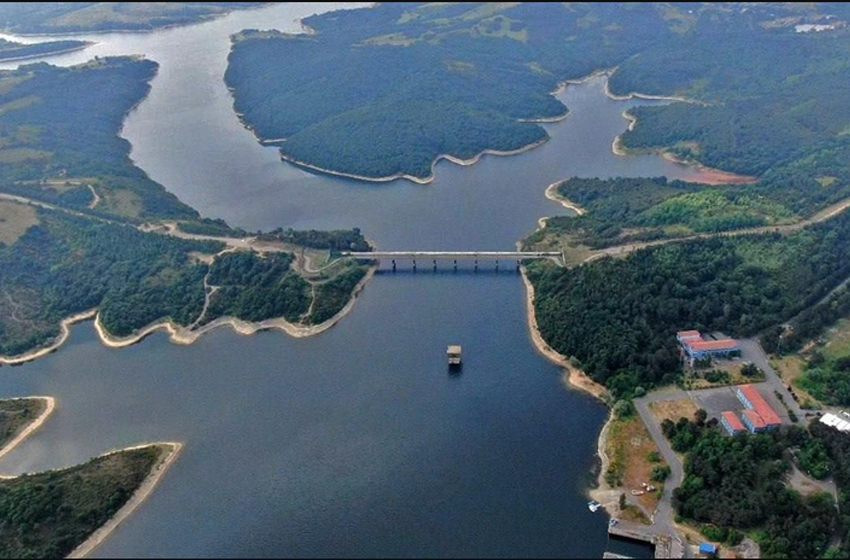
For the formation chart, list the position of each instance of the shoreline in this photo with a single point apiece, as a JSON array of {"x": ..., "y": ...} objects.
[
  {"x": 552, "y": 194},
  {"x": 65, "y": 332},
  {"x": 646, "y": 96},
  {"x": 705, "y": 175},
  {"x": 47, "y": 54},
  {"x": 607, "y": 497},
  {"x": 182, "y": 335},
  {"x": 418, "y": 180},
  {"x": 33, "y": 426},
  {"x": 139, "y": 496},
  {"x": 206, "y": 18},
  {"x": 573, "y": 377}
]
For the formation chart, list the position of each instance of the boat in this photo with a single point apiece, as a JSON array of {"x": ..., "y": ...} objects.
[{"x": 593, "y": 506}]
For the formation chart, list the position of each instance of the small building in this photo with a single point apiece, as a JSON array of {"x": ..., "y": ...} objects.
[
  {"x": 731, "y": 423},
  {"x": 707, "y": 548},
  {"x": 682, "y": 336},
  {"x": 752, "y": 399},
  {"x": 836, "y": 422},
  {"x": 454, "y": 355},
  {"x": 694, "y": 347},
  {"x": 754, "y": 422}
]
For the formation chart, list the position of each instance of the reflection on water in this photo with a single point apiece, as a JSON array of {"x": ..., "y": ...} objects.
[{"x": 356, "y": 442}]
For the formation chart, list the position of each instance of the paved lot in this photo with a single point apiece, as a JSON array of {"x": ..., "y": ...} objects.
[{"x": 713, "y": 401}]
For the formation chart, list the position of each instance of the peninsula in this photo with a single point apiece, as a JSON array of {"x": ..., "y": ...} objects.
[
  {"x": 85, "y": 233},
  {"x": 11, "y": 50},
  {"x": 86, "y": 17}
]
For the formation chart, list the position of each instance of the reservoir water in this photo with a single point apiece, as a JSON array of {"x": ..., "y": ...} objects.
[{"x": 356, "y": 442}]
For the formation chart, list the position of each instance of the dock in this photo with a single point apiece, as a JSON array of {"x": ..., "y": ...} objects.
[{"x": 665, "y": 546}]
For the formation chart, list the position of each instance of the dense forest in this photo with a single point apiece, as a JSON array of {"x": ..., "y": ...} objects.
[
  {"x": 49, "y": 514},
  {"x": 255, "y": 289},
  {"x": 737, "y": 484},
  {"x": 837, "y": 447},
  {"x": 619, "y": 317},
  {"x": 79, "y": 17},
  {"x": 483, "y": 70},
  {"x": 16, "y": 415},
  {"x": 68, "y": 264},
  {"x": 59, "y": 146},
  {"x": 12, "y": 50},
  {"x": 334, "y": 240}
]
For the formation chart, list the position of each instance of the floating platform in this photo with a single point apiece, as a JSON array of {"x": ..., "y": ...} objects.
[{"x": 453, "y": 352}]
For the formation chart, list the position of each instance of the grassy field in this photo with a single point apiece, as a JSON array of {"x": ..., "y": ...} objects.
[
  {"x": 790, "y": 368},
  {"x": 837, "y": 343},
  {"x": 15, "y": 220},
  {"x": 630, "y": 449},
  {"x": 673, "y": 410},
  {"x": 16, "y": 415}
]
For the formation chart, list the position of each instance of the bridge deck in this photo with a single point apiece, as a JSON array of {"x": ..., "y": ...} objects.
[{"x": 483, "y": 255}]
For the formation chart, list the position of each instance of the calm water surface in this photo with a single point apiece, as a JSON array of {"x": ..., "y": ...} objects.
[{"x": 356, "y": 442}]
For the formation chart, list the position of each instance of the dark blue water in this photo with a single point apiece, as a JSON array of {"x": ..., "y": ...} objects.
[{"x": 357, "y": 442}]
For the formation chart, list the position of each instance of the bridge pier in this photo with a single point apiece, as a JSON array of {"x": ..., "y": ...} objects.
[
  {"x": 414, "y": 265},
  {"x": 455, "y": 265},
  {"x": 393, "y": 265},
  {"x": 518, "y": 262},
  {"x": 476, "y": 265},
  {"x": 435, "y": 265},
  {"x": 497, "y": 265}
]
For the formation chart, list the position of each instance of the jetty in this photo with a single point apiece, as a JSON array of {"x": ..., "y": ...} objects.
[{"x": 665, "y": 546}]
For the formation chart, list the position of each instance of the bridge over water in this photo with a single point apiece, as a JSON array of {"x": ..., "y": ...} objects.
[{"x": 434, "y": 256}]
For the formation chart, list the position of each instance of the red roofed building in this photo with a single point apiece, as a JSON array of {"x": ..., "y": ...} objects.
[
  {"x": 682, "y": 336},
  {"x": 753, "y": 421},
  {"x": 752, "y": 399},
  {"x": 731, "y": 423},
  {"x": 696, "y": 348}
]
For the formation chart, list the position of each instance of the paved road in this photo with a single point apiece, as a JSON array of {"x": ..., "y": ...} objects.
[
  {"x": 752, "y": 351},
  {"x": 821, "y": 216},
  {"x": 662, "y": 520}
]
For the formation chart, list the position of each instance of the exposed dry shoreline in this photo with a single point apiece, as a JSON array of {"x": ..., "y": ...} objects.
[
  {"x": 170, "y": 452},
  {"x": 50, "y": 403},
  {"x": 577, "y": 379},
  {"x": 573, "y": 376},
  {"x": 64, "y": 332},
  {"x": 705, "y": 175},
  {"x": 45, "y": 54},
  {"x": 182, "y": 335},
  {"x": 413, "y": 178},
  {"x": 552, "y": 194}
]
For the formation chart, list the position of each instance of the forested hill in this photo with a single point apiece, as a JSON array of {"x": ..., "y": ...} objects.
[
  {"x": 775, "y": 98},
  {"x": 79, "y": 17},
  {"x": 383, "y": 91},
  {"x": 59, "y": 138},
  {"x": 11, "y": 50}
]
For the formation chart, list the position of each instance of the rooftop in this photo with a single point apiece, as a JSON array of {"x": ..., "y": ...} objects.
[
  {"x": 760, "y": 405},
  {"x": 754, "y": 418},
  {"x": 688, "y": 334},
  {"x": 698, "y": 345},
  {"x": 732, "y": 420}
]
